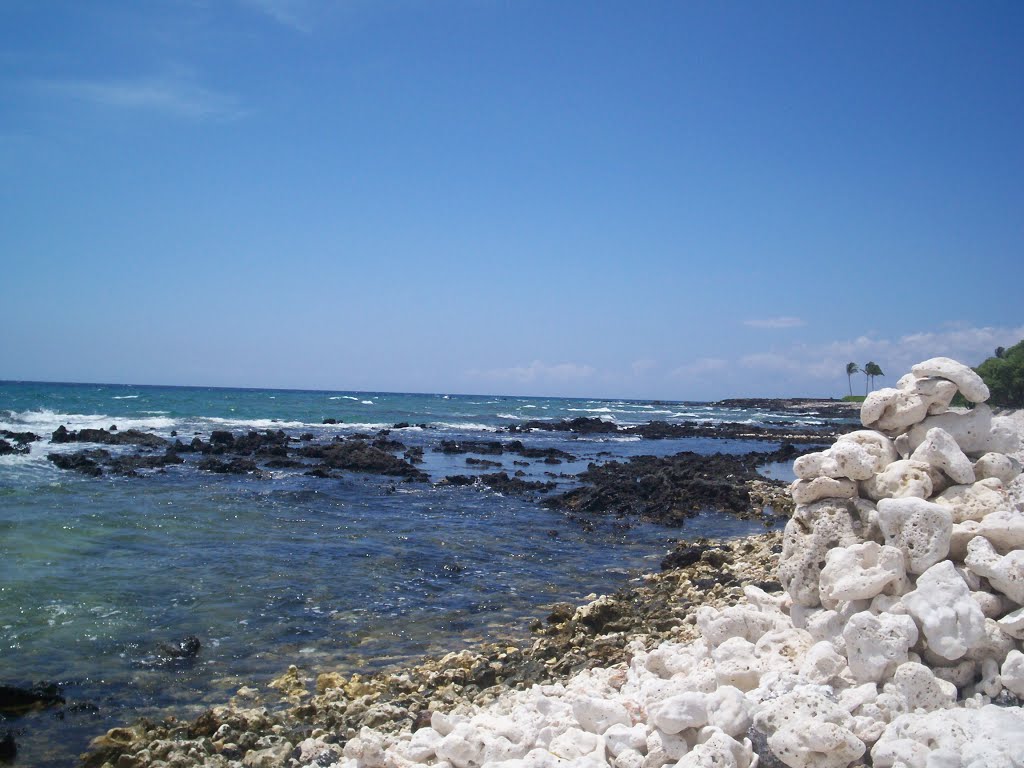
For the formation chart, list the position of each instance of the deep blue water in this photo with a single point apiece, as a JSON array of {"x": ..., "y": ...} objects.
[{"x": 357, "y": 572}]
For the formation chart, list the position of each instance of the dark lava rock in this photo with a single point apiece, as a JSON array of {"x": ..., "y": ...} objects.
[
  {"x": 131, "y": 437},
  {"x": 401, "y": 425},
  {"x": 548, "y": 454},
  {"x": 759, "y": 743},
  {"x": 665, "y": 489},
  {"x": 332, "y": 421},
  {"x": 561, "y": 613},
  {"x": 236, "y": 466},
  {"x": 357, "y": 456},
  {"x": 83, "y": 461},
  {"x": 19, "y": 701},
  {"x": 127, "y": 465},
  {"x": 502, "y": 483},
  {"x": 482, "y": 462},
  {"x": 458, "y": 480},
  {"x": 685, "y": 554},
  {"x": 485, "y": 447},
  {"x": 583, "y": 425},
  {"x": 8, "y": 747},
  {"x": 19, "y": 441},
  {"x": 414, "y": 455},
  {"x": 221, "y": 437},
  {"x": 187, "y": 648},
  {"x": 284, "y": 464},
  {"x": 385, "y": 444}
]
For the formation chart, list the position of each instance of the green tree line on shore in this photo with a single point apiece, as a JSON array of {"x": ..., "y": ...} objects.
[{"x": 1004, "y": 375}]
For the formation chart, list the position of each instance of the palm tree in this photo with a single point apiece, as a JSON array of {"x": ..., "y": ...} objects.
[
  {"x": 851, "y": 368},
  {"x": 871, "y": 370}
]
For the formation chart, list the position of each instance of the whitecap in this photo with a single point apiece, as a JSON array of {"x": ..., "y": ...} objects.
[
  {"x": 510, "y": 416},
  {"x": 45, "y": 421},
  {"x": 367, "y": 402},
  {"x": 124, "y": 397},
  {"x": 344, "y": 397},
  {"x": 466, "y": 426},
  {"x": 256, "y": 423}
]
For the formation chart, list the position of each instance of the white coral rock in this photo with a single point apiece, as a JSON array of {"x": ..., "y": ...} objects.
[
  {"x": 810, "y": 491},
  {"x": 975, "y": 501},
  {"x": 971, "y": 430},
  {"x": 1005, "y": 573},
  {"x": 736, "y": 664},
  {"x": 950, "y": 619},
  {"x": 967, "y": 381},
  {"x": 902, "y": 479},
  {"x": 920, "y": 689},
  {"x": 877, "y": 645},
  {"x": 1012, "y": 673},
  {"x": 997, "y": 465},
  {"x": 893, "y": 410},
  {"x": 807, "y": 730},
  {"x": 847, "y": 459},
  {"x": 813, "y": 530},
  {"x": 879, "y": 446},
  {"x": 973, "y": 738},
  {"x": 920, "y": 529},
  {"x": 859, "y": 572},
  {"x": 1012, "y": 624},
  {"x": 940, "y": 450}
]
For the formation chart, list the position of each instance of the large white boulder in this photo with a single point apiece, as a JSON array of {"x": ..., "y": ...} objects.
[
  {"x": 949, "y": 618},
  {"x": 919, "y": 528},
  {"x": 975, "y": 501},
  {"x": 893, "y": 410},
  {"x": 1004, "y": 572},
  {"x": 967, "y": 381},
  {"x": 877, "y": 644},
  {"x": 808, "y": 730},
  {"x": 813, "y": 530},
  {"x": 847, "y": 459},
  {"x": 901, "y": 479},
  {"x": 810, "y": 491},
  {"x": 986, "y": 737},
  {"x": 859, "y": 572},
  {"x": 940, "y": 450},
  {"x": 997, "y": 465},
  {"x": 879, "y": 446},
  {"x": 972, "y": 430}
]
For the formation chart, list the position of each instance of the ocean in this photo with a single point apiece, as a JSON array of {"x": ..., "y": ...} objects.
[{"x": 99, "y": 575}]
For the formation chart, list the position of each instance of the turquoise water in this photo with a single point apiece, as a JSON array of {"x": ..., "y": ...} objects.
[{"x": 356, "y": 572}]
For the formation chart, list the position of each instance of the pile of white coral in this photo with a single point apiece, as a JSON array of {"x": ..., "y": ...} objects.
[{"x": 897, "y": 641}]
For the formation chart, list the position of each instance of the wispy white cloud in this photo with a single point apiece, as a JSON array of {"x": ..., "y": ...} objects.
[
  {"x": 643, "y": 367},
  {"x": 296, "y": 14},
  {"x": 169, "y": 96},
  {"x": 699, "y": 367},
  {"x": 969, "y": 345},
  {"x": 775, "y": 322},
  {"x": 537, "y": 371}
]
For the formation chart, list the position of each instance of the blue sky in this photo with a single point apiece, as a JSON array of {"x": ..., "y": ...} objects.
[{"x": 680, "y": 200}]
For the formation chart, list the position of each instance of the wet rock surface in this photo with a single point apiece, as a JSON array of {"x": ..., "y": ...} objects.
[
  {"x": 668, "y": 490},
  {"x": 833, "y": 417},
  {"x": 325, "y": 709}
]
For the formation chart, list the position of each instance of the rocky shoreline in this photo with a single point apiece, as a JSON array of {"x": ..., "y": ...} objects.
[
  {"x": 883, "y": 628},
  {"x": 269, "y": 727},
  {"x": 664, "y": 490}
]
